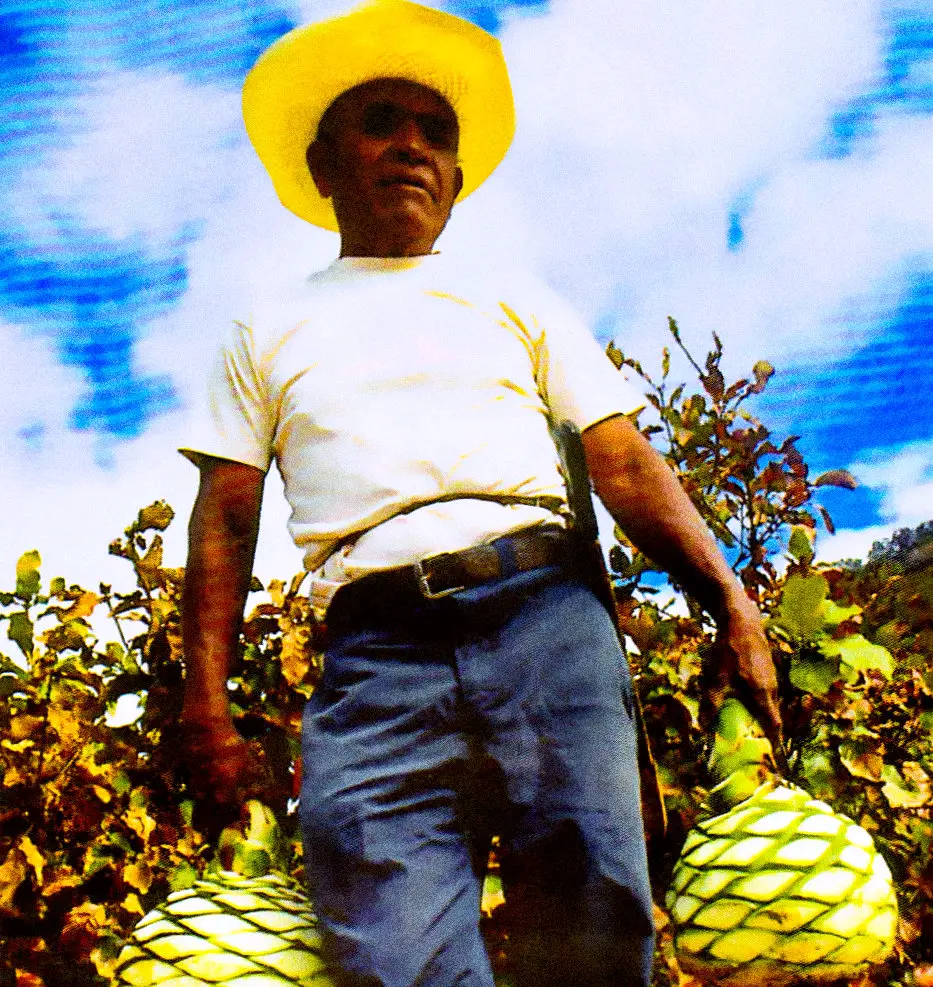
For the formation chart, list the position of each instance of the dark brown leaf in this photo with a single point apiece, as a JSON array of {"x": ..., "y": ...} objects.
[{"x": 836, "y": 478}]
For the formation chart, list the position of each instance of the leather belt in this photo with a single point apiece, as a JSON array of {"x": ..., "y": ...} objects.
[{"x": 438, "y": 576}]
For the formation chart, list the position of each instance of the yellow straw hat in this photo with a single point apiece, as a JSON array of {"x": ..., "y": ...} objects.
[{"x": 300, "y": 75}]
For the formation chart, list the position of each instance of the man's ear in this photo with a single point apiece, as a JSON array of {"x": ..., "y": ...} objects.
[
  {"x": 319, "y": 157},
  {"x": 458, "y": 182}
]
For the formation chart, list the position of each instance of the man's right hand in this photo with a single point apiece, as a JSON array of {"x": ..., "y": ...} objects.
[{"x": 223, "y": 773}]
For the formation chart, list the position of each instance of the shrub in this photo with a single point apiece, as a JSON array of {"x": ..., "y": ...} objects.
[{"x": 95, "y": 823}]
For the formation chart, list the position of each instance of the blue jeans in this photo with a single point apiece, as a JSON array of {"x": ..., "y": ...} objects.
[{"x": 506, "y": 709}]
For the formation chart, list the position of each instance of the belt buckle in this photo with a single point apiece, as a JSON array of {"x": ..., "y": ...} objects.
[{"x": 425, "y": 586}]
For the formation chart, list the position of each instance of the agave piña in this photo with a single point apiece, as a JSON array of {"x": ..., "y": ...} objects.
[
  {"x": 772, "y": 887},
  {"x": 249, "y": 926}
]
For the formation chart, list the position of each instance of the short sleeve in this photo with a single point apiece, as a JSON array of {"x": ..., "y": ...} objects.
[
  {"x": 577, "y": 379},
  {"x": 239, "y": 422}
]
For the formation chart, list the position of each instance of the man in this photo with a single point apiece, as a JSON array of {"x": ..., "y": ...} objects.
[{"x": 472, "y": 683}]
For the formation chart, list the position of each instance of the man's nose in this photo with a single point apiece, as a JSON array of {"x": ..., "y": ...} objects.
[{"x": 410, "y": 139}]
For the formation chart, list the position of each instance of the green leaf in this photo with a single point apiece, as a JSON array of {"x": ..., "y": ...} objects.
[
  {"x": 182, "y": 877},
  {"x": 891, "y": 635},
  {"x": 901, "y": 793},
  {"x": 801, "y": 609},
  {"x": 834, "y": 615},
  {"x": 156, "y": 516},
  {"x": 96, "y": 859},
  {"x": 862, "y": 760},
  {"x": 20, "y": 631},
  {"x": 615, "y": 354},
  {"x": 820, "y": 773},
  {"x": 763, "y": 372},
  {"x": 121, "y": 783},
  {"x": 27, "y": 575},
  {"x": 186, "y": 809},
  {"x": 250, "y": 860},
  {"x": 8, "y": 666},
  {"x": 9, "y": 684},
  {"x": 57, "y": 586},
  {"x": 813, "y": 674},
  {"x": 118, "y": 839},
  {"x": 800, "y": 545},
  {"x": 148, "y": 566},
  {"x": 859, "y": 654}
]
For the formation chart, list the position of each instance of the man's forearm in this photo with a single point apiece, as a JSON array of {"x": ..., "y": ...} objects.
[
  {"x": 646, "y": 500},
  {"x": 221, "y": 546}
]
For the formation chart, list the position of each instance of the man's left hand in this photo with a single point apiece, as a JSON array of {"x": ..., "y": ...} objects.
[{"x": 740, "y": 664}]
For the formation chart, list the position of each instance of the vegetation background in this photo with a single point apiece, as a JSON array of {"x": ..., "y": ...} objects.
[{"x": 96, "y": 824}]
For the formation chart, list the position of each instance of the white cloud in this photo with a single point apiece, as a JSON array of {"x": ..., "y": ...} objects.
[
  {"x": 305, "y": 11},
  {"x": 156, "y": 154},
  {"x": 153, "y": 154},
  {"x": 904, "y": 478},
  {"x": 38, "y": 391},
  {"x": 638, "y": 133},
  {"x": 639, "y": 125},
  {"x": 851, "y": 543},
  {"x": 70, "y": 510}
]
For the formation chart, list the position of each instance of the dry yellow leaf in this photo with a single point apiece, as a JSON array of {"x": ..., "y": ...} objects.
[
  {"x": 131, "y": 903},
  {"x": 66, "y": 724},
  {"x": 294, "y": 657},
  {"x": 87, "y": 916},
  {"x": 104, "y": 962},
  {"x": 915, "y": 774},
  {"x": 23, "y": 727},
  {"x": 26, "y": 979},
  {"x": 33, "y": 857},
  {"x": 23, "y": 745},
  {"x": 12, "y": 874},
  {"x": 63, "y": 877},
  {"x": 98, "y": 770},
  {"x": 14, "y": 776},
  {"x": 276, "y": 591},
  {"x": 138, "y": 875},
  {"x": 140, "y": 822},
  {"x": 82, "y": 607}
]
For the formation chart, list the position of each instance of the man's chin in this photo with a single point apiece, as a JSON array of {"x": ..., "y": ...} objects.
[
  {"x": 404, "y": 225},
  {"x": 408, "y": 218}
]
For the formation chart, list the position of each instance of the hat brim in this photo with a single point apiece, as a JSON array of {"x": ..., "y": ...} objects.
[{"x": 300, "y": 75}]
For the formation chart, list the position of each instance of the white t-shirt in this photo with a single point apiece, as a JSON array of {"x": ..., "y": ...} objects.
[{"x": 398, "y": 396}]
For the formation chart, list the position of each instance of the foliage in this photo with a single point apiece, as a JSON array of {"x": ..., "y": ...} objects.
[
  {"x": 95, "y": 823},
  {"x": 907, "y": 547},
  {"x": 852, "y": 645},
  {"x": 747, "y": 486}
]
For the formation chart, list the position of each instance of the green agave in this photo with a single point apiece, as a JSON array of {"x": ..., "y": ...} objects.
[
  {"x": 241, "y": 927},
  {"x": 773, "y": 887}
]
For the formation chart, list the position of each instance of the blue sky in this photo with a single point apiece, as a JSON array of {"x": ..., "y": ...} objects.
[{"x": 766, "y": 175}]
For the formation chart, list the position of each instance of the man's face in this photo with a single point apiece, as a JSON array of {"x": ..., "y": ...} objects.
[{"x": 386, "y": 154}]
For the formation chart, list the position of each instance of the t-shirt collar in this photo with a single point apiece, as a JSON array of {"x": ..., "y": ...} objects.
[{"x": 376, "y": 264}]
